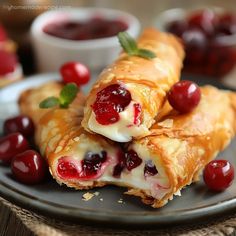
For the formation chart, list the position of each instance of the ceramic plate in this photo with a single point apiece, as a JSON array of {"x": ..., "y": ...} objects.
[{"x": 111, "y": 206}]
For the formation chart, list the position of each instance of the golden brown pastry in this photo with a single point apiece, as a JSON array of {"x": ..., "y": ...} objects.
[
  {"x": 155, "y": 167},
  {"x": 130, "y": 93},
  {"x": 179, "y": 146}
]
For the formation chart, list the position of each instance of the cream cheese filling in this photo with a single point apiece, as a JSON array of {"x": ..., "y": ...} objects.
[
  {"x": 121, "y": 131},
  {"x": 157, "y": 186}
]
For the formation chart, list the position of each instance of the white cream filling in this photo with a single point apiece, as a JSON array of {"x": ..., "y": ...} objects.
[
  {"x": 157, "y": 185},
  {"x": 121, "y": 131}
]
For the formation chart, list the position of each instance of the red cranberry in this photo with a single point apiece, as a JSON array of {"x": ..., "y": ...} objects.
[
  {"x": 137, "y": 113},
  {"x": 11, "y": 145},
  {"x": 22, "y": 124},
  {"x": 67, "y": 169},
  {"x": 75, "y": 72},
  {"x": 194, "y": 38},
  {"x": 3, "y": 35},
  {"x": 92, "y": 163},
  {"x": 109, "y": 102},
  {"x": 8, "y": 62},
  {"x": 184, "y": 96},
  {"x": 204, "y": 20},
  {"x": 218, "y": 175},
  {"x": 29, "y": 167},
  {"x": 132, "y": 160},
  {"x": 177, "y": 27},
  {"x": 227, "y": 25},
  {"x": 120, "y": 166},
  {"x": 150, "y": 169}
]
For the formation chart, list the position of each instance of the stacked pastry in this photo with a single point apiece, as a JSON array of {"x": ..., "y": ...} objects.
[
  {"x": 162, "y": 150},
  {"x": 10, "y": 68}
]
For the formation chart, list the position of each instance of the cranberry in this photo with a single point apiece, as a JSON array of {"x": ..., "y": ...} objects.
[
  {"x": 3, "y": 35},
  {"x": 204, "y": 20},
  {"x": 227, "y": 25},
  {"x": 67, "y": 170},
  {"x": 194, "y": 38},
  {"x": 92, "y": 163},
  {"x": 22, "y": 124},
  {"x": 137, "y": 113},
  {"x": 109, "y": 102},
  {"x": 150, "y": 169},
  {"x": 132, "y": 160},
  {"x": 8, "y": 62},
  {"x": 75, "y": 72},
  {"x": 218, "y": 175},
  {"x": 29, "y": 167},
  {"x": 120, "y": 166},
  {"x": 177, "y": 27},
  {"x": 11, "y": 145},
  {"x": 184, "y": 96}
]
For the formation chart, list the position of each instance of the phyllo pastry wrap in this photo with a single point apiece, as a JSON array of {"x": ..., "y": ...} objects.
[
  {"x": 155, "y": 167},
  {"x": 130, "y": 93},
  {"x": 180, "y": 146}
]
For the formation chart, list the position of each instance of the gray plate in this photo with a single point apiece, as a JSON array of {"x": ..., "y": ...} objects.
[{"x": 61, "y": 202}]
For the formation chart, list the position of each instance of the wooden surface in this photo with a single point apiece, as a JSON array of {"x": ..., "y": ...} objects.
[{"x": 10, "y": 225}]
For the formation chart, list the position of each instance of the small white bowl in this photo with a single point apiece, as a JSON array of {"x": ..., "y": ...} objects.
[{"x": 51, "y": 52}]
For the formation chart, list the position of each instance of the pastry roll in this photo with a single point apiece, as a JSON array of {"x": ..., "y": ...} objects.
[
  {"x": 130, "y": 93},
  {"x": 155, "y": 167},
  {"x": 179, "y": 147}
]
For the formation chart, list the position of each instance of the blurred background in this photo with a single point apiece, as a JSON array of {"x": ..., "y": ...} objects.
[{"x": 16, "y": 19}]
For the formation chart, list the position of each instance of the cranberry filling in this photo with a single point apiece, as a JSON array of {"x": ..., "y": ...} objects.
[
  {"x": 110, "y": 102},
  {"x": 92, "y": 163},
  {"x": 8, "y": 62},
  {"x": 137, "y": 113},
  {"x": 120, "y": 166},
  {"x": 150, "y": 169},
  {"x": 67, "y": 170},
  {"x": 132, "y": 160}
]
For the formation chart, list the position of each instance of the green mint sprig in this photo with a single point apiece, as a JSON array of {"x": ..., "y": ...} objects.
[
  {"x": 130, "y": 46},
  {"x": 66, "y": 97}
]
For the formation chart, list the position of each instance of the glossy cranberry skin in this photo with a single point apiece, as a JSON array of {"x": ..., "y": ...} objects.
[
  {"x": 177, "y": 27},
  {"x": 194, "y": 38},
  {"x": 75, "y": 72},
  {"x": 8, "y": 62},
  {"x": 132, "y": 160},
  {"x": 218, "y": 175},
  {"x": 227, "y": 25},
  {"x": 184, "y": 96},
  {"x": 22, "y": 124},
  {"x": 204, "y": 20},
  {"x": 150, "y": 169},
  {"x": 109, "y": 102},
  {"x": 119, "y": 167},
  {"x": 12, "y": 145},
  {"x": 29, "y": 167},
  {"x": 92, "y": 163}
]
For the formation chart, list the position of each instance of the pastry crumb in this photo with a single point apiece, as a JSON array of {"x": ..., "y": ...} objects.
[
  {"x": 87, "y": 196},
  {"x": 120, "y": 200},
  {"x": 168, "y": 123},
  {"x": 96, "y": 193},
  {"x": 101, "y": 199}
]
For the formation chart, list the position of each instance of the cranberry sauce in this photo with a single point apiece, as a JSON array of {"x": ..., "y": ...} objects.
[
  {"x": 109, "y": 103},
  {"x": 150, "y": 169},
  {"x": 90, "y": 166},
  {"x": 94, "y": 28},
  {"x": 202, "y": 33}
]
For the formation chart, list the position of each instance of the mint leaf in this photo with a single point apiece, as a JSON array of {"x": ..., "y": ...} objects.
[
  {"x": 130, "y": 46},
  {"x": 68, "y": 94},
  {"x": 146, "y": 53},
  {"x": 49, "y": 102},
  {"x": 128, "y": 43}
]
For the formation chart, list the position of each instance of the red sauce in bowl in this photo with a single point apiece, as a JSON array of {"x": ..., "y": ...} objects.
[{"x": 94, "y": 28}]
